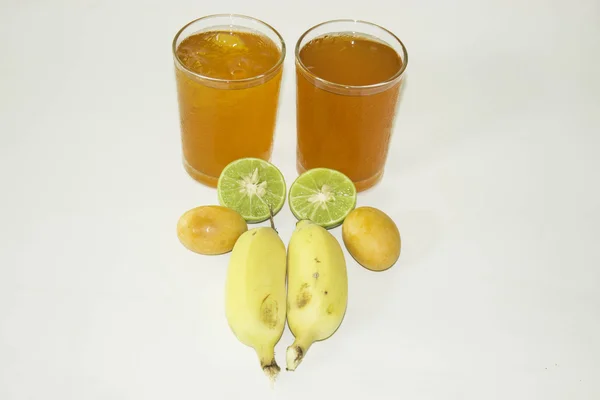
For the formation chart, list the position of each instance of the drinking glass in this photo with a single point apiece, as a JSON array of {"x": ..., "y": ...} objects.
[
  {"x": 346, "y": 127},
  {"x": 222, "y": 120}
]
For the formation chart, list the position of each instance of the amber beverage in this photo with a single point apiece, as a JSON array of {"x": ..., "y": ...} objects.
[
  {"x": 228, "y": 72},
  {"x": 348, "y": 76}
]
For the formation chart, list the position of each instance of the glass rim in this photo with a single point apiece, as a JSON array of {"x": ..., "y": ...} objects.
[
  {"x": 267, "y": 73},
  {"x": 342, "y": 86}
]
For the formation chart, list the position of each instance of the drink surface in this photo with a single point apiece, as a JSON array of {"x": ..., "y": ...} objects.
[
  {"x": 350, "y": 59},
  {"x": 228, "y": 54},
  {"x": 221, "y": 122},
  {"x": 348, "y": 131}
]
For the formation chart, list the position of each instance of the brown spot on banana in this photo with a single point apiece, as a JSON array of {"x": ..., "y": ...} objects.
[
  {"x": 268, "y": 312},
  {"x": 304, "y": 296},
  {"x": 299, "y": 354}
]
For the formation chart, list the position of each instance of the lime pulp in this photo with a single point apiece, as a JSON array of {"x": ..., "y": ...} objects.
[
  {"x": 323, "y": 196},
  {"x": 253, "y": 187}
]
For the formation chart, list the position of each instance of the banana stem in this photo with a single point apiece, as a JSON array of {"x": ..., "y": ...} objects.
[
  {"x": 268, "y": 363},
  {"x": 271, "y": 219},
  {"x": 296, "y": 352}
]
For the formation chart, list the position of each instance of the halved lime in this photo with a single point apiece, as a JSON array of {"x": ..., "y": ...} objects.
[
  {"x": 322, "y": 195},
  {"x": 252, "y": 187}
]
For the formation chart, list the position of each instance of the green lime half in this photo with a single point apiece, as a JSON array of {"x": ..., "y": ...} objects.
[
  {"x": 252, "y": 187},
  {"x": 322, "y": 195}
]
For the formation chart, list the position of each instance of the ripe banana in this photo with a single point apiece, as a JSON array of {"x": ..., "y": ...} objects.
[
  {"x": 255, "y": 293},
  {"x": 317, "y": 288}
]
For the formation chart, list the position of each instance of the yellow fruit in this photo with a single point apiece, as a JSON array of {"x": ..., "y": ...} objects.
[
  {"x": 372, "y": 238},
  {"x": 210, "y": 229},
  {"x": 255, "y": 294},
  {"x": 317, "y": 288}
]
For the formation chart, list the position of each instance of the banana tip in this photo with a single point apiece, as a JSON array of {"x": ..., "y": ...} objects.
[
  {"x": 294, "y": 356},
  {"x": 271, "y": 371}
]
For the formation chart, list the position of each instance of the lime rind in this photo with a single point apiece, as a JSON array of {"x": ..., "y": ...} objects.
[
  {"x": 322, "y": 195},
  {"x": 266, "y": 184}
]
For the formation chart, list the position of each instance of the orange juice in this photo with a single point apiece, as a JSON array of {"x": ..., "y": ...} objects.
[
  {"x": 347, "y": 92},
  {"x": 228, "y": 88}
]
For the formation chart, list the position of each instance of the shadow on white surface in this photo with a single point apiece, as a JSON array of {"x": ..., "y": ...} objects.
[{"x": 420, "y": 231}]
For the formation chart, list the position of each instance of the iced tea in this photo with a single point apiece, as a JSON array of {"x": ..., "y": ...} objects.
[
  {"x": 348, "y": 85},
  {"x": 228, "y": 81}
]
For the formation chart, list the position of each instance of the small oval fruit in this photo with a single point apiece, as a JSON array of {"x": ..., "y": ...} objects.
[
  {"x": 210, "y": 230},
  {"x": 372, "y": 238}
]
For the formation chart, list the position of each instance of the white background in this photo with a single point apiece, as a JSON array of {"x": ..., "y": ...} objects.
[{"x": 492, "y": 180}]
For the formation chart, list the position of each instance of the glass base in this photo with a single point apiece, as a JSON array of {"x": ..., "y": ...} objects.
[
  {"x": 361, "y": 186},
  {"x": 199, "y": 176}
]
